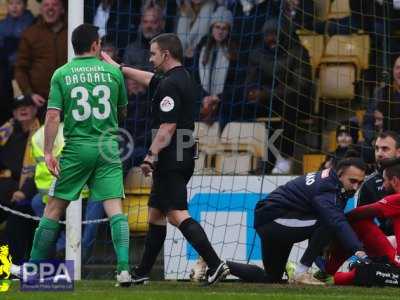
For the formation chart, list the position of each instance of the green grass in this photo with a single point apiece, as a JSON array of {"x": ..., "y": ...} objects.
[{"x": 99, "y": 290}]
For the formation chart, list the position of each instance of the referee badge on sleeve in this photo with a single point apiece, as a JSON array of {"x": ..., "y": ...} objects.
[{"x": 167, "y": 104}]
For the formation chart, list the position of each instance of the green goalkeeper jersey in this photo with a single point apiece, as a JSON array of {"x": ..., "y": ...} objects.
[{"x": 89, "y": 92}]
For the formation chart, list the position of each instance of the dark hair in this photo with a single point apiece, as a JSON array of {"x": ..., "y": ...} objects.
[
  {"x": 170, "y": 42},
  {"x": 211, "y": 43},
  {"x": 348, "y": 162},
  {"x": 83, "y": 37},
  {"x": 391, "y": 167},
  {"x": 391, "y": 134}
]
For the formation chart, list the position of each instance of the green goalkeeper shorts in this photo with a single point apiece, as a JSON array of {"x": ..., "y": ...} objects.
[{"x": 99, "y": 168}]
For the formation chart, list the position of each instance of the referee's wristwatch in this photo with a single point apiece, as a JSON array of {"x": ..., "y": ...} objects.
[{"x": 151, "y": 154}]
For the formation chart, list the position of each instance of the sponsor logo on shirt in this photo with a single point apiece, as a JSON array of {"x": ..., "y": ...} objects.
[{"x": 167, "y": 104}]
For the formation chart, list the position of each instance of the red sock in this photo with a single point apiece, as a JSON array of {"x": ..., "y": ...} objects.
[
  {"x": 373, "y": 238},
  {"x": 344, "y": 278}
]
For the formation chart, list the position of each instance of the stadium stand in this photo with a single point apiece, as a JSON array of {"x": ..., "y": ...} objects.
[{"x": 329, "y": 61}]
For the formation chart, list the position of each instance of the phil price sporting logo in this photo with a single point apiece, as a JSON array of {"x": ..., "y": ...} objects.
[
  {"x": 48, "y": 275},
  {"x": 5, "y": 266}
]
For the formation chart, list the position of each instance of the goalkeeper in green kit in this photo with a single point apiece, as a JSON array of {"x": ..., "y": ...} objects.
[{"x": 91, "y": 95}]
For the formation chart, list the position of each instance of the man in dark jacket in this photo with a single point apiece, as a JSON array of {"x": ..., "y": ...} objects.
[
  {"x": 152, "y": 23},
  {"x": 295, "y": 211},
  {"x": 43, "y": 48},
  {"x": 279, "y": 85}
]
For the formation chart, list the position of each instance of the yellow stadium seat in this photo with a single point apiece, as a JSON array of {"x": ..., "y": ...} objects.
[
  {"x": 331, "y": 145},
  {"x": 336, "y": 82},
  {"x": 200, "y": 163},
  {"x": 339, "y": 9},
  {"x": 322, "y": 8},
  {"x": 352, "y": 48},
  {"x": 135, "y": 180},
  {"x": 3, "y": 9},
  {"x": 135, "y": 206},
  {"x": 233, "y": 163},
  {"x": 249, "y": 137},
  {"x": 312, "y": 162},
  {"x": 314, "y": 44},
  {"x": 208, "y": 136}
]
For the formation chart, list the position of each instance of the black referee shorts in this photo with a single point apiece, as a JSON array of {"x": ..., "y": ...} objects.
[{"x": 169, "y": 190}]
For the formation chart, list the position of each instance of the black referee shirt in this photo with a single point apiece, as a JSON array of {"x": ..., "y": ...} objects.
[{"x": 173, "y": 101}]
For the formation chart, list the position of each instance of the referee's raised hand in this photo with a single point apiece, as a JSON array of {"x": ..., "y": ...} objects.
[{"x": 107, "y": 58}]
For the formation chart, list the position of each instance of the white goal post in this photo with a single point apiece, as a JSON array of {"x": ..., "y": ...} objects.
[{"x": 73, "y": 226}]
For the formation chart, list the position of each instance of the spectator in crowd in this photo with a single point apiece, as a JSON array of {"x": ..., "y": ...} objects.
[
  {"x": 16, "y": 168},
  {"x": 169, "y": 9},
  {"x": 300, "y": 13},
  {"x": 346, "y": 138},
  {"x": 249, "y": 17},
  {"x": 97, "y": 12},
  {"x": 193, "y": 23},
  {"x": 138, "y": 121},
  {"x": 17, "y": 20},
  {"x": 125, "y": 18},
  {"x": 43, "y": 48},
  {"x": 152, "y": 23},
  {"x": 217, "y": 73},
  {"x": 287, "y": 62},
  {"x": 383, "y": 111}
]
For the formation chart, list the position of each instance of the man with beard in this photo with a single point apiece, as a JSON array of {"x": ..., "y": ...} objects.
[
  {"x": 377, "y": 244},
  {"x": 296, "y": 212},
  {"x": 387, "y": 146},
  {"x": 152, "y": 23}
]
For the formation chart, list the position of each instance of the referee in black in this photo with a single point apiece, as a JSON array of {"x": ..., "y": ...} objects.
[{"x": 170, "y": 160}]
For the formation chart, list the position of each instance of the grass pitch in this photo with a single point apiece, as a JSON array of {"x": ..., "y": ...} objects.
[{"x": 99, "y": 290}]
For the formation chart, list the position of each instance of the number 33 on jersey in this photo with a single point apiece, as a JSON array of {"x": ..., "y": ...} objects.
[{"x": 89, "y": 92}]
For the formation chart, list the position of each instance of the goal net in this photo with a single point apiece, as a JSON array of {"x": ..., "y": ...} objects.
[{"x": 280, "y": 83}]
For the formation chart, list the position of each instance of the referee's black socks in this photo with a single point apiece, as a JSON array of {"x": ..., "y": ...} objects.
[
  {"x": 154, "y": 241},
  {"x": 196, "y": 236}
]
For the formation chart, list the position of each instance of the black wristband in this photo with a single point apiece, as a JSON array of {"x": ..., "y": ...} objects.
[{"x": 121, "y": 66}]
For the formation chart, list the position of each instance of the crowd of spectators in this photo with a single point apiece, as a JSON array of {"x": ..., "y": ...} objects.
[{"x": 245, "y": 56}]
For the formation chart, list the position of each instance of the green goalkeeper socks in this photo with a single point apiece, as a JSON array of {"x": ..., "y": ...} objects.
[
  {"x": 120, "y": 238},
  {"x": 45, "y": 236}
]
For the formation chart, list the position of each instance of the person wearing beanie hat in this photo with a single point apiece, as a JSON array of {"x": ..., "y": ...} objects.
[
  {"x": 216, "y": 73},
  {"x": 222, "y": 15},
  {"x": 347, "y": 133},
  {"x": 346, "y": 140}
]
